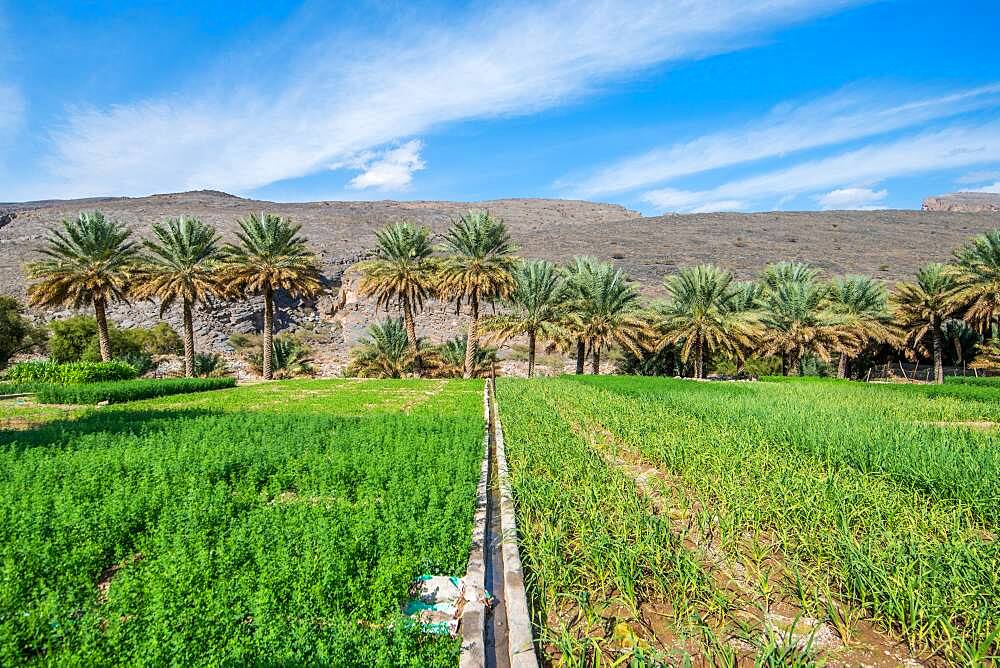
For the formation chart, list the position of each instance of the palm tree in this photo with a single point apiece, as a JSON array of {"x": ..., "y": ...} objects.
[
  {"x": 402, "y": 272},
  {"x": 798, "y": 316},
  {"x": 977, "y": 293},
  {"x": 706, "y": 311},
  {"x": 289, "y": 358},
  {"x": 271, "y": 256},
  {"x": 579, "y": 273},
  {"x": 780, "y": 273},
  {"x": 89, "y": 261},
  {"x": 864, "y": 301},
  {"x": 921, "y": 308},
  {"x": 449, "y": 359},
  {"x": 479, "y": 269},
  {"x": 385, "y": 352},
  {"x": 181, "y": 265},
  {"x": 609, "y": 313},
  {"x": 536, "y": 308}
]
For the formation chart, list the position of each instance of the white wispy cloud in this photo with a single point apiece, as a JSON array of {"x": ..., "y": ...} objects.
[
  {"x": 391, "y": 169},
  {"x": 852, "y": 198},
  {"x": 338, "y": 99},
  {"x": 989, "y": 188},
  {"x": 955, "y": 147},
  {"x": 849, "y": 114}
]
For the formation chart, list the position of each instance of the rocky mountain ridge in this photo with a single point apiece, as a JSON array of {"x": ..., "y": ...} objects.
[{"x": 968, "y": 202}]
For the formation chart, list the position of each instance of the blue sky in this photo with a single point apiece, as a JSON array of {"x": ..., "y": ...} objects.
[{"x": 674, "y": 106}]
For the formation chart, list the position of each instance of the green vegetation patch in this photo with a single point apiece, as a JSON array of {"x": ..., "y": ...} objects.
[
  {"x": 69, "y": 373},
  {"x": 241, "y": 530},
  {"x": 820, "y": 490},
  {"x": 127, "y": 390}
]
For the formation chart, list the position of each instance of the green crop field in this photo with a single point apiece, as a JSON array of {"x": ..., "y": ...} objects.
[
  {"x": 784, "y": 522},
  {"x": 276, "y": 524}
]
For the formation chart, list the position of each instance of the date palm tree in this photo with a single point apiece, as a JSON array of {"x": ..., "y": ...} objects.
[
  {"x": 921, "y": 309},
  {"x": 609, "y": 314},
  {"x": 536, "y": 308},
  {"x": 448, "y": 359},
  {"x": 707, "y": 312},
  {"x": 798, "y": 316},
  {"x": 402, "y": 272},
  {"x": 89, "y": 261},
  {"x": 385, "y": 352},
  {"x": 180, "y": 265},
  {"x": 480, "y": 268},
  {"x": 579, "y": 274},
  {"x": 865, "y": 303},
  {"x": 977, "y": 282},
  {"x": 270, "y": 256}
]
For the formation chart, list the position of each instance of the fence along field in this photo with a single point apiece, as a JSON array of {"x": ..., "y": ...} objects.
[
  {"x": 783, "y": 521},
  {"x": 280, "y": 523}
]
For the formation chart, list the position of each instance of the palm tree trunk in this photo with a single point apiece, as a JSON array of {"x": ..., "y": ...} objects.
[
  {"x": 581, "y": 355},
  {"x": 102, "y": 328},
  {"x": 411, "y": 334},
  {"x": 411, "y": 325},
  {"x": 472, "y": 341},
  {"x": 531, "y": 354},
  {"x": 596, "y": 365},
  {"x": 268, "y": 333},
  {"x": 188, "y": 340},
  {"x": 938, "y": 343},
  {"x": 842, "y": 366},
  {"x": 800, "y": 366},
  {"x": 699, "y": 359}
]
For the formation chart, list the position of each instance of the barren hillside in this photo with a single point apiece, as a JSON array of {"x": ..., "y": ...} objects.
[{"x": 887, "y": 244}]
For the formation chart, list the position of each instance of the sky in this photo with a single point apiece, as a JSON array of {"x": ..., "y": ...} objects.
[{"x": 680, "y": 106}]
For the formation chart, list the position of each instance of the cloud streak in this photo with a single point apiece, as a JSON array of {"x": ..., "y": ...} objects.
[
  {"x": 390, "y": 170},
  {"x": 368, "y": 95},
  {"x": 847, "y": 115},
  {"x": 954, "y": 147}
]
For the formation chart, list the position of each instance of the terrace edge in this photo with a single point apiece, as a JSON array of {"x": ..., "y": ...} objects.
[
  {"x": 519, "y": 635},
  {"x": 473, "y": 620}
]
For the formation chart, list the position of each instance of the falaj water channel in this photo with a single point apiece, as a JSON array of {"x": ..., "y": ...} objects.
[{"x": 497, "y": 635}]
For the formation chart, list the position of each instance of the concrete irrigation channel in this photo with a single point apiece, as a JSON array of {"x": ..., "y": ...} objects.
[{"x": 498, "y": 634}]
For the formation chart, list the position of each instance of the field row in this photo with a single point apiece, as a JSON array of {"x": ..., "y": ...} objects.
[{"x": 778, "y": 521}]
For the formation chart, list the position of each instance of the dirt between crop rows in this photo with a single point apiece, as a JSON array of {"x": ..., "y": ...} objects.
[{"x": 759, "y": 620}]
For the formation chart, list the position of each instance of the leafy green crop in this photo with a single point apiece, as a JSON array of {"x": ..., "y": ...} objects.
[
  {"x": 127, "y": 390},
  {"x": 276, "y": 524},
  {"x": 69, "y": 373}
]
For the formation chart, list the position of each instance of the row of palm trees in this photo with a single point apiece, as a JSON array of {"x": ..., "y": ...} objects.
[
  {"x": 93, "y": 261},
  {"x": 788, "y": 312},
  {"x": 586, "y": 305}
]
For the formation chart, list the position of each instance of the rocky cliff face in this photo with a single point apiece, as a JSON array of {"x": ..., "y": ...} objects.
[{"x": 965, "y": 202}]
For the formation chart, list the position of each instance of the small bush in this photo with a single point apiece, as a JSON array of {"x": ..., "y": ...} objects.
[
  {"x": 70, "y": 373},
  {"x": 141, "y": 361},
  {"x": 210, "y": 365},
  {"x": 75, "y": 339},
  {"x": 71, "y": 337},
  {"x": 129, "y": 390}
]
